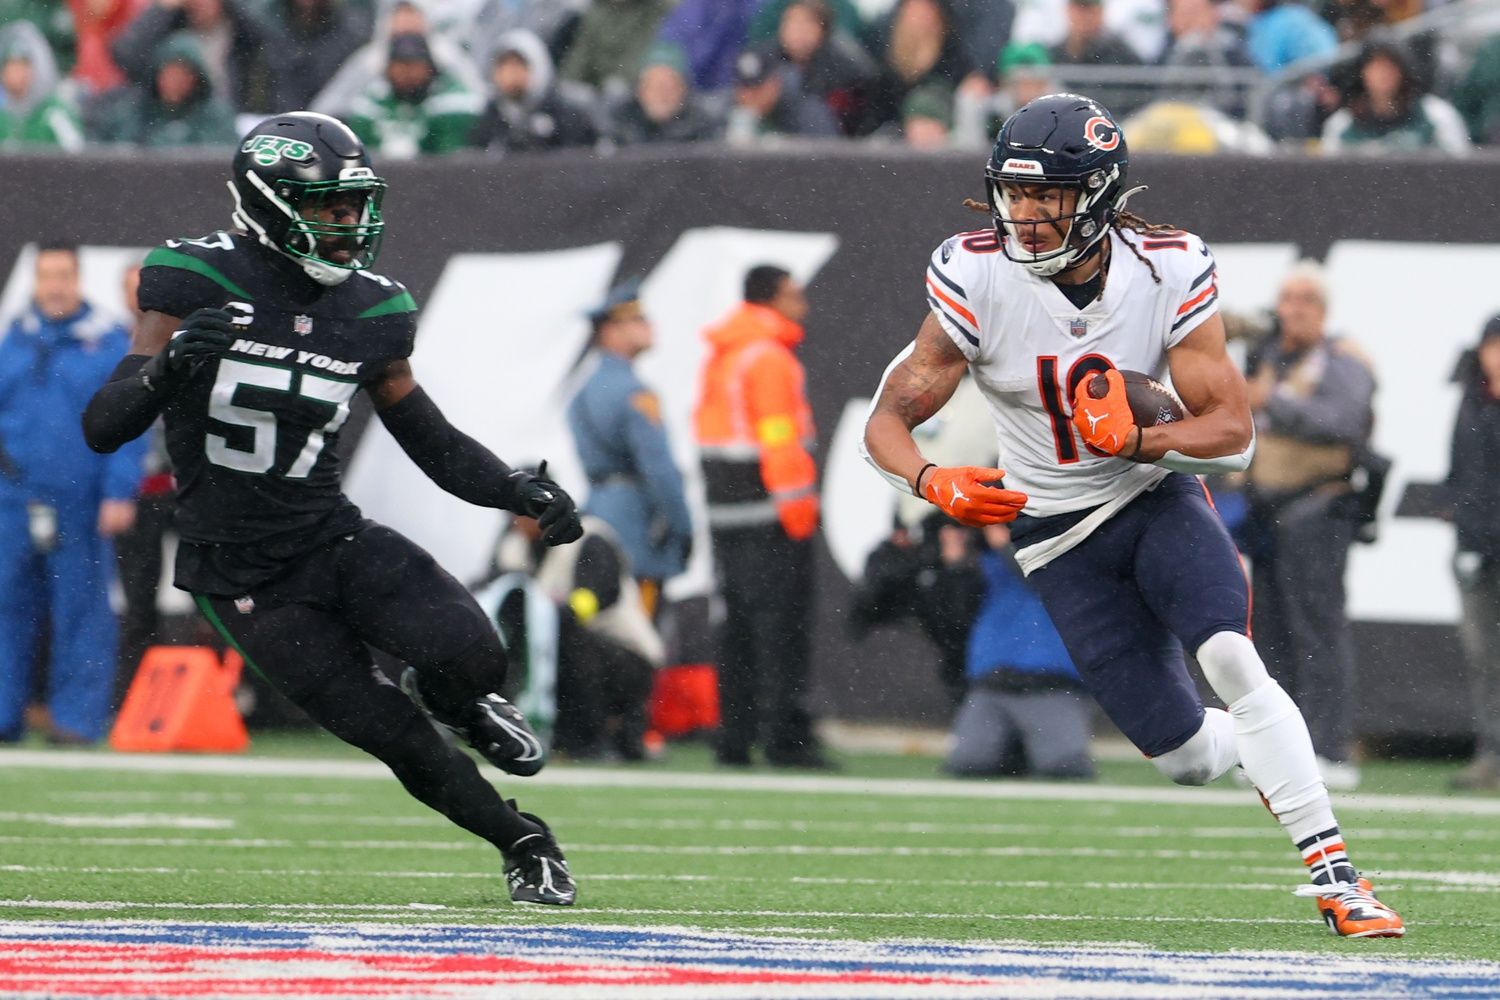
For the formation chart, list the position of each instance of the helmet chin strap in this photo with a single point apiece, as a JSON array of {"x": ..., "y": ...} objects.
[{"x": 323, "y": 274}]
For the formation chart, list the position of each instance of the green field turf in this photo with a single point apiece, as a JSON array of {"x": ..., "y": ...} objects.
[{"x": 886, "y": 850}]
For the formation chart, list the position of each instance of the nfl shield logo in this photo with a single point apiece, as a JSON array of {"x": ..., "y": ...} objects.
[
  {"x": 1078, "y": 327},
  {"x": 244, "y": 605},
  {"x": 302, "y": 325}
]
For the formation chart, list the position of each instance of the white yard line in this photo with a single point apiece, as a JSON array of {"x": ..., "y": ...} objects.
[
  {"x": 1476, "y": 882},
  {"x": 549, "y": 917},
  {"x": 574, "y": 777},
  {"x": 119, "y": 821},
  {"x": 694, "y": 850}
]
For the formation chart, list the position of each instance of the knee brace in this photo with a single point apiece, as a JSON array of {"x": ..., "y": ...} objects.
[
  {"x": 1206, "y": 755},
  {"x": 1231, "y": 665}
]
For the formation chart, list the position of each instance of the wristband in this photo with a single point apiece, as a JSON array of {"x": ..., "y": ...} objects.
[{"x": 916, "y": 483}]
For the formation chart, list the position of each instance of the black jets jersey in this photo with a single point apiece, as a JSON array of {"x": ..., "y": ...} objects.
[{"x": 253, "y": 435}]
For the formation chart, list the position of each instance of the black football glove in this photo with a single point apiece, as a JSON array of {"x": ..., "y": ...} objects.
[
  {"x": 205, "y": 333},
  {"x": 555, "y": 512}
]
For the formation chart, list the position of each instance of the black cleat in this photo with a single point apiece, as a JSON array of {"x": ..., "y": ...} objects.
[
  {"x": 537, "y": 871},
  {"x": 493, "y": 726},
  {"x": 501, "y": 734}
]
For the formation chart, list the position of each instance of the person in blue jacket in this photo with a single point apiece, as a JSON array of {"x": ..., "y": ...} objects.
[
  {"x": 60, "y": 505},
  {"x": 634, "y": 485},
  {"x": 1025, "y": 711}
]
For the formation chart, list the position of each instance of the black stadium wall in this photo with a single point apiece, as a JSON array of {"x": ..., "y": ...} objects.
[{"x": 888, "y": 209}]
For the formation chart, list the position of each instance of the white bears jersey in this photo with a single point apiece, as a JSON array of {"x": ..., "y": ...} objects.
[{"x": 1028, "y": 347}]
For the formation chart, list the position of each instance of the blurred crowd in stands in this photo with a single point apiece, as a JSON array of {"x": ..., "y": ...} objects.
[{"x": 421, "y": 77}]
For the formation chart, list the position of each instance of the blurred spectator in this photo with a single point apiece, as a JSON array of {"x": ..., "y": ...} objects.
[
  {"x": 616, "y": 421},
  {"x": 1311, "y": 396},
  {"x": 178, "y": 107},
  {"x": 97, "y": 23},
  {"x": 1357, "y": 22},
  {"x": 927, "y": 117},
  {"x": 754, "y": 427},
  {"x": 414, "y": 108},
  {"x": 919, "y": 48},
  {"x": 229, "y": 40},
  {"x": 366, "y": 68},
  {"x": 306, "y": 42},
  {"x": 843, "y": 16},
  {"x": 1298, "y": 112},
  {"x": 53, "y": 19},
  {"x": 983, "y": 28},
  {"x": 769, "y": 102},
  {"x": 907, "y": 574},
  {"x": 1280, "y": 32},
  {"x": 1477, "y": 96},
  {"x": 831, "y": 64},
  {"x": 1025, "y": 711},
  {"x": 1088, "y": 42},
  {"x": 1025, "y": 72},
  {"x": 60, "y": 505},
  {"x": 613, "y": 40},
  {"x": 1199, "y": 39},
  {"x": 1389, "y": 113},
  {"x": 139, "y": 549},
  {"x": 525, "y": 111},
  {"x": 663, "y": 108},
  {"x": 1473, "y": 470},
  {"x": 596, "y": 629},
  {"x": 925, "y": 572},
  {"x": 555, "y": 22},
  {"x": 1141, "y": 23},
  {"x": 712, "y": 33},
  {"x": 31, "y": 112}
]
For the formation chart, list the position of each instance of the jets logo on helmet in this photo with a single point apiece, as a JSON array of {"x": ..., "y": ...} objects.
[
  {"x": 267, "y": 149},
  {"x": 1101, "y": 133},
  {"x": 1066, "y": 142},
  {"x": 303, "y": 186}
]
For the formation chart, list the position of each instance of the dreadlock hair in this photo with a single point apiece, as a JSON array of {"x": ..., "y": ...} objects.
[
  {"x": 1122, "y": 222},
  {"x": 1129, "y": 220}
]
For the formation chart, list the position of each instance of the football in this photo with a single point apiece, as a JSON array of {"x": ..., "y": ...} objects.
[{"x": 1151, "y": 403}]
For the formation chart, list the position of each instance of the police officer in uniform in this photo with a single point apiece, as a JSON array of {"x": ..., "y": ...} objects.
[
  {"x": 634, "y": 486},
  {"x": 253, "y": 343}
]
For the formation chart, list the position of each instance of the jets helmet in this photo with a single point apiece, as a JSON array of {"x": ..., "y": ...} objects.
[
  {"x": 1060, "y": 140},
  {"x": 303, "y": 186}
]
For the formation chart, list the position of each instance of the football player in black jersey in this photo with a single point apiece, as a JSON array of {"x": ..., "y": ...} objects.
[{"x": 254, "y": 341}]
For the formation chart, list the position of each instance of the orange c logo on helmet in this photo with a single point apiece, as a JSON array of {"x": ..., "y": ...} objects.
[{"x": 1101, "y": 133}]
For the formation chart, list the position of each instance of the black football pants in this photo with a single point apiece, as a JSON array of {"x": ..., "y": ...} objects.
[{"x": 306, "y": 632}]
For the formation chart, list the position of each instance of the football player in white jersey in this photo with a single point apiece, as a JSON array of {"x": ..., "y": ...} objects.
[{"x": 1110, "y": 521}]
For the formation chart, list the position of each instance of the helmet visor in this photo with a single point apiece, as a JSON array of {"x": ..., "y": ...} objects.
[{"x": 338, "y": 222}]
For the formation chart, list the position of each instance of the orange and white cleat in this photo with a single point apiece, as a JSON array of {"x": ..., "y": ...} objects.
[{"x": 1351, "y": 910}]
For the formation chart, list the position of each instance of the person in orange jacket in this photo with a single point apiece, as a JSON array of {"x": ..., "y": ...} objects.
[{"x": 755, "y": 434}]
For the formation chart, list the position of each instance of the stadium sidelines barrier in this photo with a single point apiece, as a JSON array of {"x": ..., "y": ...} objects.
[{"x": 506, "y": 254}]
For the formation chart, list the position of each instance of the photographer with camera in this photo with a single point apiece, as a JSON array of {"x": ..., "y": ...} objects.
[
  {"x": 1310, "y": 492},
  {"x": 1472, "y": 470}
]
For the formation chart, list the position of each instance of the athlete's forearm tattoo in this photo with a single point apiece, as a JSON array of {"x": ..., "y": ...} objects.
[{"x": 919, "y": 386}]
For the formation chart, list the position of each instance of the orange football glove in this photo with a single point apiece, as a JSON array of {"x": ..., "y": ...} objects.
[
  {"x": 962, "y": 495},
  {"x": 799, "y": 517},
  {"x": 1106, "y": 424}
]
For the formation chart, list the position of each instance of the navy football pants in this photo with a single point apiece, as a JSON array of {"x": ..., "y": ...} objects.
[{"x": 1160, "y": 575}]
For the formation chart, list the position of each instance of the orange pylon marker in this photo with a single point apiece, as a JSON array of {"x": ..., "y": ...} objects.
[{"x": 182, "y": 698}]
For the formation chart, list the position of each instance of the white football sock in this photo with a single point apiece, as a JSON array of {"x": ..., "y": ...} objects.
[
  {"x": 1206, "y": 755},
  {"x": 1274, "y": 746}
]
